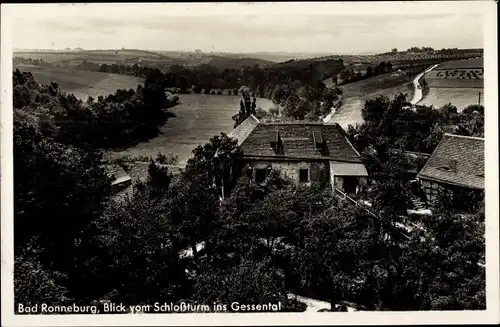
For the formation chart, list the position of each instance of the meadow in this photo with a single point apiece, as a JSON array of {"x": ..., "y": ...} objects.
[
  {"x": 198, "y": 118},
  {"x": 356, "y": 94},
  {"x": 454, "y": 82},
  {"x": 102, "y": 57},
  {"x": 459, "y": 82},
  {"x": 459, "y": 97},
  {"x": 81, "y": 83},
  {"x": 464, "y": 64}
]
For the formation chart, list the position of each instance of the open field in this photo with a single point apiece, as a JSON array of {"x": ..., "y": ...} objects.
[
  {"x": 459, "y": 82},
  {"x": 457, "y": 74},
  {"x": 355, "y": 95},
  {"x": 459, "y": 97},
  {"x": 462, "y": 64},
  {"x": 82, "y": 83},
  {"x": 454, "y": 82},
  {"x": 127, "y": 56},
  {"x": 101, "y": 57},
  {"x": 198, "y": 118}
]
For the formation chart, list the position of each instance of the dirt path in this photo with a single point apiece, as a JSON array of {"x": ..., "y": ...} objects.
[
  {"x": 418, "y": 95},
  {"x": 312, "y": 304}
]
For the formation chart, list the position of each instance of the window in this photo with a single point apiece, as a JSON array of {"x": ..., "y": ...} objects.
[
  {"x": 304, "y": 175},
  {"x": 431, "y": 190},
  {"x": 260, "y": 175}
]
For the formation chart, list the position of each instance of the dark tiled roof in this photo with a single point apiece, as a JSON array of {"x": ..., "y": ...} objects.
[
  {"x": 117, "y": 173},
  {"x": 140, "y": 170},
  {"x": 297, "y": 141},
  {"x": 457, "y": 160}
]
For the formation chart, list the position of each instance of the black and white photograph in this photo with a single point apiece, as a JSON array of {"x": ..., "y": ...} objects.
[{"x": 236, "y": 163}]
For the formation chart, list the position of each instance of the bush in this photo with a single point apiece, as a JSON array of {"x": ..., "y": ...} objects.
[{"x": 219, "y": 92}]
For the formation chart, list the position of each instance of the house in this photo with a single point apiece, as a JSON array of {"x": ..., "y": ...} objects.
[
  {"x": 120, "y": 180},
  {"x": 457, "y": 166},
  {"x": 123, "y": 181},
  {"x": 306, "y": 152}
]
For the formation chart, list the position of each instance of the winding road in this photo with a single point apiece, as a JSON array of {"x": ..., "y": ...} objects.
[{"x": 418, "y": 95}]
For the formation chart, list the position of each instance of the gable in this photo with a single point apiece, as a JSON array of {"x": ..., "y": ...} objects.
[{"x": 457, "y": 160}]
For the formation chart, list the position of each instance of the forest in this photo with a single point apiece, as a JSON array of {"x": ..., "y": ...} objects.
[{"x": 125, "y": 117}]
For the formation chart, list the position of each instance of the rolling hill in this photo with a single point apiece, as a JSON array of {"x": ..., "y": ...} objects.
[{"x": 82, "y": 83}]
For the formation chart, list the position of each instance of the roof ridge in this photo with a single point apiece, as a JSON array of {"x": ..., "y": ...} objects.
[
  {"x": 255, "y": 118},
  {"x": 465, "y": 137},
  {"x": 292, "y": 123}
]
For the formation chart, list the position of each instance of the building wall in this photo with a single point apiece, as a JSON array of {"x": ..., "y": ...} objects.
[
  {"x": 338, "y": 182},
  {"x": 318, "y": 171},
  {"x": 461, "y": 197},
  {"x": 431, "y": 189}
]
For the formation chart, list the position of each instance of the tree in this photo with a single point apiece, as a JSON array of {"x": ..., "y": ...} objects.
[
  {"x": 193, "y": 209},
  {"x": 208, "y": 179},
  {"x": 34, "y": 284},
  {"x": 441, "y": 272},
  {"x": 217, "y": 162},
  {"x": 159, "y": 178},
  {"x": 394, "y": 50},
  {"x": 247, "y": 106},
  {"x": 249, "y": 282},
  {"x": 59, "y": 192},
  {"x": 139, "y": 251},
  {"x": 337, "y": 248},
  {"x": 369, "y": 71}
]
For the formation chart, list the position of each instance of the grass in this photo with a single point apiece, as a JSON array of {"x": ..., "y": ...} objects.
[
  {"x": 101, "y": 57},
  {"x": 459, "y": 97},
  {"x": 356, "y": 94},
  {"x": 454, "y": 82},
  {"x": 457, "y": 88},
  {"x": 82, "y": 83},
  {"x": 198, "y": 118},
  {"x": 455, "y": 64},
  {"x": 460, "y": 77}
]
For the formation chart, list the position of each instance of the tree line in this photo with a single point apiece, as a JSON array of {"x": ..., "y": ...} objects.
[
  {"x": 29, "y": 61},
  {"x": 206, "y": 77},
  {"x": 397, "y": 124},
  {"x": 118, "y": 119},
  {"x": 294, "y": 85},
  {"x": 350, "y": 75}
]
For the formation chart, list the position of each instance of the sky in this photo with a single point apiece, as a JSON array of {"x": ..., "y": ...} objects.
[{"x": 237, "y": 28}]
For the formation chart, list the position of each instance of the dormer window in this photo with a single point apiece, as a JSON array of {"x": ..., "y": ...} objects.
[
  {"x": 276, "y": 143},
  {"x": 452, "y": 166},
  {"x": 319, "y": 141}
]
